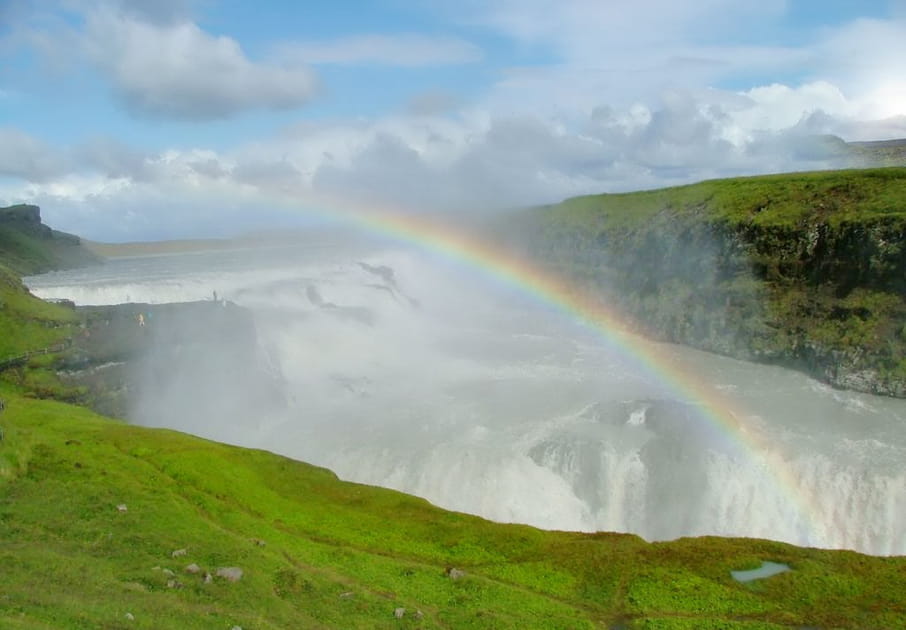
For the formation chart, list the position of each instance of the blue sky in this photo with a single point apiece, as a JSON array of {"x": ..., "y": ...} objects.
[{"x": 128, "y": 119}]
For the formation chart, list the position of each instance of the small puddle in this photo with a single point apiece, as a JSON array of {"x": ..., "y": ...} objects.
[{"x": 766, "y": 570}]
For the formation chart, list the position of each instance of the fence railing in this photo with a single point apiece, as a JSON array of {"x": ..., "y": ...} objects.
[{"x": 21, "y": 359}]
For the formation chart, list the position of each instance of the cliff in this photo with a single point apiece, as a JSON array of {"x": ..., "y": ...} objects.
[
  {"x": 124, "y": 526},
  {"x": 27, "y": 246},
  {"x": 805, "y": 270}
]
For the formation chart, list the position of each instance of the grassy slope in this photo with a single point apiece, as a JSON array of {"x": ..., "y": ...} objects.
[
  {"x": 345, "y": 555},
  {"x": 27, "y": 323},
  {"x": 782, "y": 200},
  {"x": 29, "y": 248}
]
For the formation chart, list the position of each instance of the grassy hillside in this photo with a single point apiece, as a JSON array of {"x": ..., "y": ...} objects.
[
  {"x": 803, "y": 269},
  {"x": 27, "y": 246},
  {"x": 879, "y": 152},
  {"x": 26, "y": 322},
  {"x": 317, "y": 552}
]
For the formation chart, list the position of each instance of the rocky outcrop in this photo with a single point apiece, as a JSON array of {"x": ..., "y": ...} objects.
[
  {"x": 22, "y": 214},
  {"x": 29, "y": 247},
  {"x": 808, "y": 272},
  {"x": 140, "y": 361}
]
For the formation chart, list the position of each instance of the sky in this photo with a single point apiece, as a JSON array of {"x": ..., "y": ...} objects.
[{"x": 140, "y": 120}]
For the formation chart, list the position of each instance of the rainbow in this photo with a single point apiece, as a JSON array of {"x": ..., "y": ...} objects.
[{"x": 466, "y": 249}]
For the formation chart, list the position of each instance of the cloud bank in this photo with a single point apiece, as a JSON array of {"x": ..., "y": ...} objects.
[
  {"x": 179, "y": 71},
  {"x": 601, "y": 97}
]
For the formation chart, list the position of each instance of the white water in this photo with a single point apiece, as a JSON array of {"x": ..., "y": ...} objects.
[{"x": 439, "y": 382}]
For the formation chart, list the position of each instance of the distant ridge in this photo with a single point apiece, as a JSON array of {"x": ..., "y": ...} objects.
[
  {"x": 27, "y": 246},
  {"x": 868, "y": 153},
  {"x": 879, "y": 143}
]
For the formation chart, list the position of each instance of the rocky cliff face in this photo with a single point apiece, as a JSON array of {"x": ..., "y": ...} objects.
[
  {"x": 28, "y": 246},
  {"x": 22, "y": 214},
  {"x": 813, "y": 282}
]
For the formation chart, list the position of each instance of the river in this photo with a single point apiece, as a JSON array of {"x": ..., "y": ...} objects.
[{"x": 411, "y": 371}]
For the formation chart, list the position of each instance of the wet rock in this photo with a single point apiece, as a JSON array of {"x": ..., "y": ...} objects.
[
  {"x": 455, "y": 574},
  {"x": 231, "y": 574}
]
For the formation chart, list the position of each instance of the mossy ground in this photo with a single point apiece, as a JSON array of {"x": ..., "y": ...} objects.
[
  {"x": 344, "y": 555},
  {"x": 27, "y": 323}
]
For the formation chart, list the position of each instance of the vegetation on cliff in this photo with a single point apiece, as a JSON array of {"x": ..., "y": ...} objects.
[
  {"x": 807, "y": 270},
  {"x": 28, "y": 246}
]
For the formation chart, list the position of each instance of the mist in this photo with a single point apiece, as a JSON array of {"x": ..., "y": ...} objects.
[{"x": 396, "y": 367}]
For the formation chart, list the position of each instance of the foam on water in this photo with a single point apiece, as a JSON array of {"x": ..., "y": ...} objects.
[{"x": 424, "y": 381}]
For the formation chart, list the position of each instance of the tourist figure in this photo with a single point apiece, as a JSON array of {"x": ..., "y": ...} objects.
[{"x": 141, "y": 319}]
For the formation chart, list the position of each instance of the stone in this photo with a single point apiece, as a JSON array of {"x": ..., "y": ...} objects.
[
  {"x": 231, "y": 574},
  {"x": 129, "y": 616},
  {"x": 455, "y": 574},
  {"x": 399, "y": 613},
  {"x": 122, "y": 507},
  {"x": 178, "y": 553},
  {"x": 193, "y": 568}
]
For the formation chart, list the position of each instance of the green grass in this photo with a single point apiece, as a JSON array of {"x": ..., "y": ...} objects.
[
  {"x": 346, "y": 555},
  {"x": 26, "y": 322},
  {"x": 770, "y": 200},
  {"x": 27, "y": 246}
]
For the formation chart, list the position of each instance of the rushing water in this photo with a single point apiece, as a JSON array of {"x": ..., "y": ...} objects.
[{"x": 407, "y": 372}]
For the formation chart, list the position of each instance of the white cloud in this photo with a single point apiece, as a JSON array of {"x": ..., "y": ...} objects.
[
  {"x": 471, "y": 162},
  {"x": 177, "y": 70},
  {"x": 406, "y": 50},
  {"x": 25, "y": 157},
  {"x": 157, "y": 11},
  {"x": 432, "y": 102},
  {"x": 629, "y": 101},
  {"x": 868, "y": 58}
]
